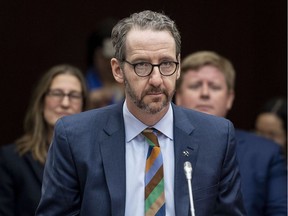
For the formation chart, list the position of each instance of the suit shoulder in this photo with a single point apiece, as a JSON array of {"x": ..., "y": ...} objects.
[
  {"x": 94, "y": 114},
  {"x": 93, "y": 120},
  {"x": 202, "y": 118},
  {"x": 189, "y": 120},
  {"x": 8, "y": 150},
  {"x": 9, "y": 157},
  {"x": 255, "y": 140},
  {"x": 257, "y": 144}
]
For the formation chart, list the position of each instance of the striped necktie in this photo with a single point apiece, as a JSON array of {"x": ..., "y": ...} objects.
[{"x": 154, "y": 176}]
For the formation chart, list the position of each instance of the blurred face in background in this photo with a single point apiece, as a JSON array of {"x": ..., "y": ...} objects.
[
  {"x": 271, "y": 126},
  {"x": 205, "y": 90},
  {"x": 63, "y": 98}
]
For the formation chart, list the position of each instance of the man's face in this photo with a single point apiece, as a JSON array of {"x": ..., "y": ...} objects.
[
  {"x": 153, "y": 93},
  {"x": 205, "y": 90}
]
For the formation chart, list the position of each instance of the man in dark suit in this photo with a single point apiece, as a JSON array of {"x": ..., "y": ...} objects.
[
  {"x": 96, "y": 163},
  {"x": 207, "y": 85}
]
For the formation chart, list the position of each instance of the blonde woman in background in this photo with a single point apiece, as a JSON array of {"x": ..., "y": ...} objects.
[{"x": 60, "y": 92}]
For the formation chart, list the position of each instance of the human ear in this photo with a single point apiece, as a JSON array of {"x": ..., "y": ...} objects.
[
  {"x": 116, "y": 70},
  {"x": 179, "y": 67},
  {"x": 230, "y": 101},
  {"x": 177, "y": 96}
]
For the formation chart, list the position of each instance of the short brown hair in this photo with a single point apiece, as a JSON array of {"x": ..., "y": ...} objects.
[{"x": 143, "y": 20}]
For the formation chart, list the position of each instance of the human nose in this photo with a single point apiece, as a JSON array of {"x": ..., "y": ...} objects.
[
  {"x": 65, "y": 102},
  {"x": 155, "y": 77},
  {"x": 205, "y": 91}
]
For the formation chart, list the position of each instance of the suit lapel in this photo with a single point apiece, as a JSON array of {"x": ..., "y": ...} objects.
[
  {"x": 185, "y": 149},
  {"x": 113, "y": 153}
]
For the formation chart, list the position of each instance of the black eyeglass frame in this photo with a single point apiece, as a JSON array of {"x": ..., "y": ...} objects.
[
  {"x": 60, "y": 95},
  {"x": 153, "y": 65}
]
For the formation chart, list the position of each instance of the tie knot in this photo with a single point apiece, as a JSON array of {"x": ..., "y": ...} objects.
[{"x": 151, "y": 136}]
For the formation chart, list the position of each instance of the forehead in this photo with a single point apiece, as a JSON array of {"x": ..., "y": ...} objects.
[
  {"x": 270, "y": 120},
  {"x": 149, "y": 41},
  {"x": 208, "y": 72},
  {"x": 66, "y": 81}
]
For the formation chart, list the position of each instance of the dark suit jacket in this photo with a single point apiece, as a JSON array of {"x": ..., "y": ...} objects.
[
  {"x": 85, "y": 169},
  {"x": 20, "y": 183},
  {"x": 263, "y": 175}
]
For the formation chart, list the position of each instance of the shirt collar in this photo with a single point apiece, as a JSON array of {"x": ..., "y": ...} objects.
[{"x": 165, "y": 125}]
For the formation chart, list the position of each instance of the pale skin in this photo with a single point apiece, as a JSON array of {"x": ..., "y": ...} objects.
[
  {"x": 53, "y": 109},
  {"x": 205, "y": 90},
  {"x": 147, "y": 98},
  {"x": 271, "y": 126}
]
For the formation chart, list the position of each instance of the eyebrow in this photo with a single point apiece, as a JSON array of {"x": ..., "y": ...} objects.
[{"x": 59, "y": 89}]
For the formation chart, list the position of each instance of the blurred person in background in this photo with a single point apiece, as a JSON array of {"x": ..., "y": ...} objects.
[
  {"x": 207, "y": 85},
  {"x": 61, "y": 91},
  {"x": 103, "y": 89},
  {"x": 271, "y": 121}
]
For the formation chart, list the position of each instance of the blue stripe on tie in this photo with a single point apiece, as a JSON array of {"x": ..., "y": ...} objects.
[
  {"x": 161, "y": 211},
  {"x": 149, "y": 152},
  {"x": 153, "y": 169}
]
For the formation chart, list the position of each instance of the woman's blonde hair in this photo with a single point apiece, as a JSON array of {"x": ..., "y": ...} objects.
[{"x": 36, "y": 137}]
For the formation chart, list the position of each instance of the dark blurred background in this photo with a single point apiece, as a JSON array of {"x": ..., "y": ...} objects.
[{"x": 36, "y": 35}]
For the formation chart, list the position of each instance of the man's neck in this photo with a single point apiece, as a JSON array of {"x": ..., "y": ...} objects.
[{"x": 146, "y": 118}]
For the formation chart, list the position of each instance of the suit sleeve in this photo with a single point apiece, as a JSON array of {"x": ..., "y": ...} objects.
[
  {"x": 230, "y": 197},
  {"x": 60, "y": 189}
]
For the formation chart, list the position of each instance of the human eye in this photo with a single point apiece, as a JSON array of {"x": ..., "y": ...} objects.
[
  {"x": 142, "y": 68},
  {"x": 75, "y": 95},
  {"x": 167, "y": 64},
  {"x": 56, "y": 93},
  {"x": 216, "y": 87},
  {"x": 194, "y": 86},
  {"x": 142, "y": 65}
]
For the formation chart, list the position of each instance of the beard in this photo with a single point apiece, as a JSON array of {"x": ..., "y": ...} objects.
[{"x": 153, "y": 107}]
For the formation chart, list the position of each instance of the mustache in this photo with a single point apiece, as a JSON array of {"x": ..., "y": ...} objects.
[{"x": 155, "y": 90}]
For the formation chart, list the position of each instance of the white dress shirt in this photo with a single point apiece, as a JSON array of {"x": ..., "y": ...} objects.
[{"x": 136, "y": 153}]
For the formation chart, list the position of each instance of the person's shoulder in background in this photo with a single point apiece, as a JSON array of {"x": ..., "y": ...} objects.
[
  {"x": 263, "y": 174},
  {"x": 8, "y": 152},
  {"x": 260, "y": 144}
]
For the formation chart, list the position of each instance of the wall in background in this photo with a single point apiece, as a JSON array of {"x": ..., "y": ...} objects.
[{"x": 38, "y": 34}]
